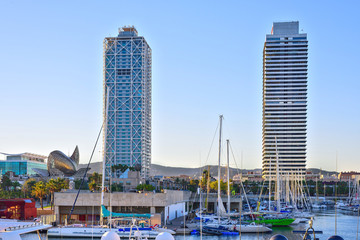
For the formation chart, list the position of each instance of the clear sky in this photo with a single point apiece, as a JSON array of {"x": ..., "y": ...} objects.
[{"x": 207, "y": 60}]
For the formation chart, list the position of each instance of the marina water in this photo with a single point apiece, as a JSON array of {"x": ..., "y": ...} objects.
[{"x": 324, "y": 221}]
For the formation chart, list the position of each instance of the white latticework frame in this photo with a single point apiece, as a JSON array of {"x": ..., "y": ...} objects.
[{"x": 127, "y": 76}]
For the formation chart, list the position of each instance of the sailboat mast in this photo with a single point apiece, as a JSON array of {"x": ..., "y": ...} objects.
[
  {"x": 270, "y": 186},
  {"x": 228, "y": 177},
  {"x": 104, "y": 156},
  {"x": 207, "y": 188},
  {"x": 219, "y": 195},
  {"x": 277, "y": 177}
]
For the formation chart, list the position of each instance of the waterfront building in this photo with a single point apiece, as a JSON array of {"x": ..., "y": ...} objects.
[
  {"x": 163, "y": 207},
  {"x": 127, "y": 85},
  {"x": 312, "y": 176},
  {"x": 348, "y": 176},
  {"x": 23, "y": 164},
  {"x": 248, "y": 175},
  {"x": 129, "y": 180},
  {"x": 285, "y": 61}
]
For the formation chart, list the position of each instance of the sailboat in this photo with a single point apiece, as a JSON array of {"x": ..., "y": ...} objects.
[
  {"x": 221, "y": 223},
  {"x": 273, "y": 218}
]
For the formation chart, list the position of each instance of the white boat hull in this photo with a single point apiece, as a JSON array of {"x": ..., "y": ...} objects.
[
  {"x": 252, "y": 228},
  {"x": 96, "y": 232},
  {"x": 244, "y": 228}
]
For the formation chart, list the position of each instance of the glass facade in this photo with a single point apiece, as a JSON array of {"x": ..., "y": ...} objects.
[
  {"x": 22, "y": 167},
  {"x": 127, "y": 83}
]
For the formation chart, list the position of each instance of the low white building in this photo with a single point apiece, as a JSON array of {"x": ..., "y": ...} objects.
[{"x": 164, "y": 207}]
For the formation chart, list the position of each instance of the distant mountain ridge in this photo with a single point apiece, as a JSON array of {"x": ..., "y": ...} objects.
[{"x": 192, "y": 172}]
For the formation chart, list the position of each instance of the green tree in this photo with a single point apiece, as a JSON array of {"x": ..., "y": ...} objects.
[
  {"x": 236, "y": 187},
  {"x": 5, "y": 182},
  {"x": 95, "y": 181},
  {"x": 184, "y": 184},
  {"x": 94, "y": 186},
  {"x": 97, "y": 177},
  {"x": 204, "y": 178},
  {"x": 56, "y": 185},
  {"x": 77, "y": 185},
  {"x": 40, "y": 191},
  {"x": 27, "y": 187},
  {"x": 193, "y": 185},
  {"x": 116, "y": 187},
  {"x": 146, "y": 187},
  {"x": 223, "y": 185},
  {"x": 122, "y": 168}
]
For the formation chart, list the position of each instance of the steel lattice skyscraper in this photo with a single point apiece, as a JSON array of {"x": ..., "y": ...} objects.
[
  {"x": 127, "y": 77},
  {"x": 285, "y": 61}
]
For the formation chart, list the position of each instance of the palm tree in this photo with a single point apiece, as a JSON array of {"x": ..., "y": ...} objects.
[
  {"x": 40, "y": 191},
  {"x": 27, "y": 187},
  {"x": 95, "y": 177},
  {"x": 56, "y": 185},
  {"x": 95, "y": 181},
  {"x": 93, "y": 186}
]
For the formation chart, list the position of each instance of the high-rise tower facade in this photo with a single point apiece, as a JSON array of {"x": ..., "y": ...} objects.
[
  {"x": 285, "y": 61},
  {"x": 127, "y": 91}
]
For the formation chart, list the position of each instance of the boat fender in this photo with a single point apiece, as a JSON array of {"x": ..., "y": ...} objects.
[
  {"x": 110, "y": 236},
  {"x": 335, "y": 237},
  {"x": 278, "y": 237},
  {"x": 164, "y": 236}
]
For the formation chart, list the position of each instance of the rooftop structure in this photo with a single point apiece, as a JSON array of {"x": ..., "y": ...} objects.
[
  {"x": 26, "y": 156},
  {"x": 22, "y": 163}
]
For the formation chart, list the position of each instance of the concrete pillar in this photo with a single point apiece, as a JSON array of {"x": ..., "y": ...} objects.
[
  {"x": 57, "y": 213},
  {"x": 215, "y": 207},
  {"x": 152, "y": 210}
]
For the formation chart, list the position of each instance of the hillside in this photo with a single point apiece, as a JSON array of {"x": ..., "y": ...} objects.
[{"x": 193, "y": 172}]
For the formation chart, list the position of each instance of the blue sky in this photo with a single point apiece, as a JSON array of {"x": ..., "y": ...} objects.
[{"x": 207, "y": 60}]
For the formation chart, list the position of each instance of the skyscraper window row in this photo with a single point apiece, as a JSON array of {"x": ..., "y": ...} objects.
[
  {"x": 292, "y": 71},
  {"x": 280, "y": 94},
  {"x": 283, "y": 65},
  {"x": 289, "y": 150},
  {"x": 289, "y": 85},
  {"x": 281, "y": 121},
  {"x": 277, "y": 110},
  {"x": 284, "y": 54},
  {"x": 289, "y": 82},
  {"x": 284, "y": 140},
  {"x": 289, "y": 104},
  {"x": 275, "y": 126},
  {"x": 279, "y": 72},
  {"x": 287, "y": 43},
  {"x": 279, "y": 130},
  {"x": 279, "y": 145},
  {"x": 286, "y": 64},
  {"x": 291, "y": 107},
  {"x": 270, "y": 39},
  {"x": 288, "y": 48},
  {"x": 284, "y": 69},
  {"x": 286, "y": 81}
]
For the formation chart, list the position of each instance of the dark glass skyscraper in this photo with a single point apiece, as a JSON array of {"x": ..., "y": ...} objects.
[
  {"x": 127, "y": 79},
  {"x": 285, "y": 61}
]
